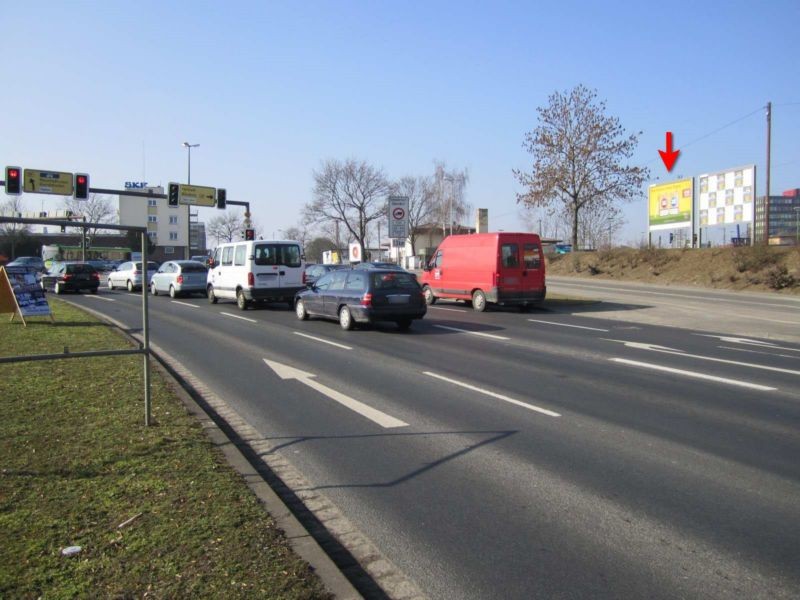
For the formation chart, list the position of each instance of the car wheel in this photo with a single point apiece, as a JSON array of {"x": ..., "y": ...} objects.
[
  {"x": 404, "y": 324},
  {"x": 130, "y": 285},
  {"x": 58, "y": 289},
  {"x": 429, "y": 297},
  {"x": 212, "y": 298},
  {"x": 345, "y": 318},
  {"x": 241, "y": 301},
  {"x": 478, "y": 301},
  {"x": 153, "y": 289},
  {"x": 300, "y": 310},
  {"x": 172, "y": 293},
  {"x": 110, "y": 284}
]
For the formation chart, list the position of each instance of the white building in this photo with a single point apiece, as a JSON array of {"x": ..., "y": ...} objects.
[{"x": 167, "y": 226}]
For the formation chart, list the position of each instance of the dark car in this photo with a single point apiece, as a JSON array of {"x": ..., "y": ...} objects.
[
  {"x": 71, "y": 277},
  {"x": 387, "y": 266},
  {"x": 28, "y": 261},
  {"x": 314, "y": 272},
  {"x": 363, "y": 296}
]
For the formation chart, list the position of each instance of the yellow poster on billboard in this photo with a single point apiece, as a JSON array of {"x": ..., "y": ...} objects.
[
  {"x": 198, "y": 195},
  {"x": 670, "y": 204}
]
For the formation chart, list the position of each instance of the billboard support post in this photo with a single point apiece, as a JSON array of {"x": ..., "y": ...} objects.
[{"x": 766, "y": 198}]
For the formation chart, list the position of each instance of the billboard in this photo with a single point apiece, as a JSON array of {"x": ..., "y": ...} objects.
[
  {"x": 670, "y": 204},
  {"x": 727, "y": 197}
]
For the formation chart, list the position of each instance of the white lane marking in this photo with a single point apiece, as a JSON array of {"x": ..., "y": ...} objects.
[
  {"x": 311, "y": 337},
  {"x": 461, "y": 310},
  {"x": 759, "y": 352},
  {"x": 568, "y": 325},
  {"x": 694, "y": 374},
  {"x": 238, "y": 317},
  {"x": 488, "y": 335},
  {"x": 373, "y": 414},
  {"x": 748, "y": 342},
  {"x": 665, "y": 350},
  {"x": 184, "y": 303},
  {"x": 533, "y": 407},
  {"x": 96, "y": 297}
]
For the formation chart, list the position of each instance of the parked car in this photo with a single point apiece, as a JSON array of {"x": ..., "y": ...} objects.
[
  {"x": 499, "y": 268},
  {"x": 28, "y": 261},
  {"x": 256, "y": 271},
  {"x": 71, "y": 277},
  {"x": 363, "y": 296},
  {"x": 129, "y": 275},
  {"x": 177, "y": 277},
  {"x": 314, "y": 272}
]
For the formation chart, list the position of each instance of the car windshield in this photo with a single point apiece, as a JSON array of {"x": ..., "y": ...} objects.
[{"x": 398, "y": 280}]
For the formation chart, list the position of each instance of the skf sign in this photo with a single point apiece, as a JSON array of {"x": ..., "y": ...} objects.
[{"x": 135, "y": 185}]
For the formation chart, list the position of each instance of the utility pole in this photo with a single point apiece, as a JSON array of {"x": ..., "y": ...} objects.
[
  {"x": 83, "y": 240},
  {"x": 769, "y": 151}
]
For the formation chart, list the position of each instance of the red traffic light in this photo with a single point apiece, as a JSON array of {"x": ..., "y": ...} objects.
[
  {"x": 81, "y": 191},
  {"x": 13, "y": 181},
  {"x": 13, "y": 173},
  {"x": 81, "y": 179}
]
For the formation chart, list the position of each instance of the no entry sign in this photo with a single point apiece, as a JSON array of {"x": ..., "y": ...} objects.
[{"x": 398, "y": 217}]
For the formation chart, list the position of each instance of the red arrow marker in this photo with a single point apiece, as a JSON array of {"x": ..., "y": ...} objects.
[{"x": 669, "y": 157}]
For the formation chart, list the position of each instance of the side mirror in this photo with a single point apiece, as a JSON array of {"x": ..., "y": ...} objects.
[{"x": 427, "y": 267}]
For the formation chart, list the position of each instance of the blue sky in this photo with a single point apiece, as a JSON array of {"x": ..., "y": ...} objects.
[{"x": 269, "y": 90}]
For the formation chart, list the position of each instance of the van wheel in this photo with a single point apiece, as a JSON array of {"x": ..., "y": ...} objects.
[
  {"x": 478, "y": 301},
  {"x": 345, "y": 318},
  {"x": 300, "y": 310},
  {"x": 212, "y": 298},
  {"x": 429, "y": 297},
  {"x": 241, "y": 301}
]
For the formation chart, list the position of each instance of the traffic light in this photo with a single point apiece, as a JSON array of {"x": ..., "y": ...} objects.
[
  {"x": 249, "y": 234},
  {"x": 172, "y": 195},
  {"x": 221, "y": 197},
  {"x": 81, "y": 186},
  {"x": 13, "y": 181}
]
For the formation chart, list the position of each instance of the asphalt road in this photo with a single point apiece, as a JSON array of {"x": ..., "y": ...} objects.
[{"x": 513, "y": 455}]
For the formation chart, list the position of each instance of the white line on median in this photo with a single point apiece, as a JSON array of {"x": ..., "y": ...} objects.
[
  {"x": 96, "y": 297},
  {"x": 184, "y": 303},
  {"x": 567, "y": 325},
  {"x": 533, "y": 407},
  {"x": 694, "y": 374},
  {"x": 238, "y": 317},
  {"x": 311, "y": 337},
  {"x": 759, "y": 352},
  {"x": 488, "y": 335}
]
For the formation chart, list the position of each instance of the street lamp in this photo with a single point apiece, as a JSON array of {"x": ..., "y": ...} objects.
[{"x": 189, "y": 147}]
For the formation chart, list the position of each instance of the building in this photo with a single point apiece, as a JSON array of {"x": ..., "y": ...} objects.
[
  {"x": 167, "y": 226},
  {"x": 784, "y": 218}
]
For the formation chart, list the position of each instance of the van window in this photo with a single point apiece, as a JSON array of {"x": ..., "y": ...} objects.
[
  {"x": 509, "y": 255},
  {"x": 241, "y": 252},
  {"x": 356, "y": 281},
  {"x": 217, "y": 258},
  {"x": 337, "y": 283},
  {"x": 227, "y": 256},
  {"x": 437, "y": 260},
  {"x": 530, "y": 256},
  {"x": 277, "y": 254}
]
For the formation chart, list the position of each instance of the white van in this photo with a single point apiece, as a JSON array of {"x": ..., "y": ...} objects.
[{"x": 256, "y": 271}]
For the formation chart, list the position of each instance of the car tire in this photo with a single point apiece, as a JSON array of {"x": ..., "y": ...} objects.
[
  {"x": 58, "y": 289},
  {"x": 404, "y": 324},
  {"x": 346, "y": 318},
  {"x": 478, "y": 301},
  {"x": 110, "y": 284},
  {"x": 300, "y": 310},
  {"x": 153, "y": 289},
  {"x": 241, "y": 301},
  {"x": 212, "y": 297},
  {"x": 429, "y": 297},
  {"x": 130, "y": 285},
  {"x": 172, "y": 293}
]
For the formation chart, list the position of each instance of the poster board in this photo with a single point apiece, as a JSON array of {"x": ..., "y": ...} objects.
[
  {"x": 21, "y": 295},
  {"x": 671, "y": 204},
  {"x": 727, "y": 197}
]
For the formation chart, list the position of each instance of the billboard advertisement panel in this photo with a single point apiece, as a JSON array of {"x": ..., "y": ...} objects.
[
  {"x": 727, "y": 197},
  {"x": 671, "y": 204}
]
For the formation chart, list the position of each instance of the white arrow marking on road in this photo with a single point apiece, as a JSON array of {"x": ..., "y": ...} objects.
[
  {"x": 238, "y": 317},
  {"x": 99, "y": 298},
  {"x": 737, "y": 340},
  {"x": 694, "y": 374},
  {"x": 665, "y": 350},
  {"x": 184, "y": 303},
  {"x": 567, "y": 325},
  {"x": 373, "y": 414},
  {"x": 544, "y": 411},
  {"x": 489, "y": 335}
]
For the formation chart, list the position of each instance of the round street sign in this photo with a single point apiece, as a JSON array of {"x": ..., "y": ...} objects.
[{"x": 399, "y": 213}]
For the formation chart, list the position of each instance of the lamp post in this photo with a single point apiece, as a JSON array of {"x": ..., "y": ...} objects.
[{"x": 189, "y": 147}]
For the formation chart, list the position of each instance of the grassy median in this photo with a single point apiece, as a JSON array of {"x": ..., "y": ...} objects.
[{"x": 156, "y": 511}]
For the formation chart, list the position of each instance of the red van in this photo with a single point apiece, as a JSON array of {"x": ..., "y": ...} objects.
[{"x": 499, "y": 268}]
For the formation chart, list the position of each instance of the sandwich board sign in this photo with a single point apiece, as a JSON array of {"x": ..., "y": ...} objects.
[{"x": 21, "y": 295}]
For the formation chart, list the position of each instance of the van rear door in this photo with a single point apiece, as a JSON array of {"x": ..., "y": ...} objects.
[
  {"x": 512, "y": 272},
  {"x": 533, "y": 265}
]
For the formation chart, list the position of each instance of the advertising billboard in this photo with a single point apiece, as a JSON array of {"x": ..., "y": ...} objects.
[
  {"x": 727, "y": 197},
  {"x": 670, "y": 204}
]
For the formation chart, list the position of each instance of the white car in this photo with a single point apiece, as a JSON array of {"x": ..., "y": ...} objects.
[
  {"x": 177, "y": 277},
  {"x": 129, "y": 275}
]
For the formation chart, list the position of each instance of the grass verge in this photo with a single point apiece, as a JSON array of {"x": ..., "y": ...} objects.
[{"x": 77, "y": 462}]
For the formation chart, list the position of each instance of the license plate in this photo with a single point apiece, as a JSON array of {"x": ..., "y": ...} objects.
[{"x": 399, "y": 299}]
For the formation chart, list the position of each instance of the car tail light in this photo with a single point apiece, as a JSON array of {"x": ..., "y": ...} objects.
[
  {"x": 304, "y": 277},
  {"x": 179, "y": 279},
  {"x": 66, "y": 277},
  {"x": 366, "y": 299},
  {"x": 497, "y": 279},
  {"x": 251, "y": 280},
  {"x": 95, "y": 276}
]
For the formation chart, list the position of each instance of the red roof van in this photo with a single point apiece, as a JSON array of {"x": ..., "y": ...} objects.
[{"x": 499, "y": 268}]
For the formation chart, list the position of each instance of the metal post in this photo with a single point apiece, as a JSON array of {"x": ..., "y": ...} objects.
[
  {"x": 83, "y": 240},
  {"x": 146, "y": 331},
  {"x": 769, "y": 146}
]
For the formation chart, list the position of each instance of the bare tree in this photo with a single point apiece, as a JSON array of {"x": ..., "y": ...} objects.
[
  {"x": 598, "y": 227},
  {"x": 448, "y": 188},
  {"x": 578, "y": 155},
  {"x": 421, "y": 204},
  {"x": 14, "y": 234},
  {"x": 351, "y": 193},
  {"x": 226, "y": 227},
  {"x": 97, "y": 209},
  {"x": 300, "y": 232}
]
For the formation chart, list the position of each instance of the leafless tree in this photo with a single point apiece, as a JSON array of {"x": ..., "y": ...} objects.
[
  {"x": 300, "y": 232},
  {"x": 421, "y": 204},
  {"x": 448, "y": 188},
  {"x": 351, "y": 193},
  {"x": 13, "y": 208},
  {"x": 578, "y": 158},
  {"x": 97, "y": 209},
  {"x": 598, "y": 227},
  {"x": 226, "y": 227}
]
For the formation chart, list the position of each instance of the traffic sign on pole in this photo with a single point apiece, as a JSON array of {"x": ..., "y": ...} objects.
[
  {"x": 398, "y": 217},
  {"x": 36, "y": 181}
]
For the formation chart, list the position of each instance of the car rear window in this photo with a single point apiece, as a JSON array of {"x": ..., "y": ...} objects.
[
  {"x": 287, "y": 255},
  {"x": 80, "y": 269},
  {"x": 393, "y": 281},
  {"x": 198, "y": 268}
]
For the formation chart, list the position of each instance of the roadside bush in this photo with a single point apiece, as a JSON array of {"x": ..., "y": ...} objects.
[
  {"x": 778, "y": 278},
  {"x": 656, "y": 257},
  {"x": 753, "y": 258},
  {"x": 576, "y": 263}
]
